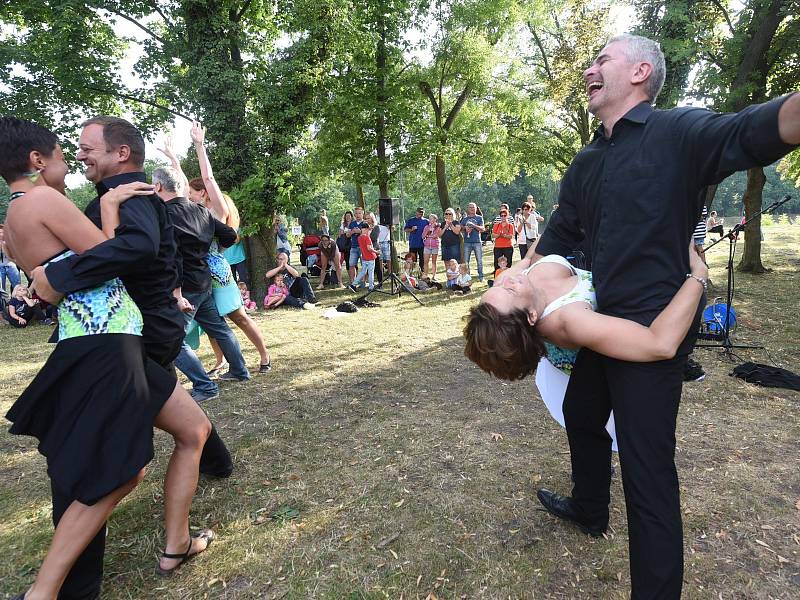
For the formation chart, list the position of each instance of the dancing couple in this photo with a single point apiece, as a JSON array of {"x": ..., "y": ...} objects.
[
  {"x": 634, "y": 194},
  {"x": 94, "y": 403}
]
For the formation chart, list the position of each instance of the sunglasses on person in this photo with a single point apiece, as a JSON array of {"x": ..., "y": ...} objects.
[{"x": 503, "y": 214}]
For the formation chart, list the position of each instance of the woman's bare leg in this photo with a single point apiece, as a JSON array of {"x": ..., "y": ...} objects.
[
  {"x": 189, "y": 427},
  {"x": 248, "y": 326},
  {"x": 433, "y": 265},
  {"x": 77, "y": 527},
  {"x": 323, "y": 268},
  {"x": 219, "y": 358}
]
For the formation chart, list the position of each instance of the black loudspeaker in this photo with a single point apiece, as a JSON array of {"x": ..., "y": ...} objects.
[{"x": 389, "y": 211}]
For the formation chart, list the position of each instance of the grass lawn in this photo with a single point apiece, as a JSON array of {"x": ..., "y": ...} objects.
[{"x": 375, "y": 461}]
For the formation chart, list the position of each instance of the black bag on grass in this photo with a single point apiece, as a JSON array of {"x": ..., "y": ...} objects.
[{"x": 767, "y": 376}]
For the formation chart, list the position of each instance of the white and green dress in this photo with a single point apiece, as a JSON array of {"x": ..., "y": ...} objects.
[{"x": 554, "y": 369}]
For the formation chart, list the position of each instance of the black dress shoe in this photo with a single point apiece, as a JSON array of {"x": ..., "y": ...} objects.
[{"x": 561, "y": 507}]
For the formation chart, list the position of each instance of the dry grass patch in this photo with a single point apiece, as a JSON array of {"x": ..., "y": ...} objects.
[{"x": 374, "y": 461}]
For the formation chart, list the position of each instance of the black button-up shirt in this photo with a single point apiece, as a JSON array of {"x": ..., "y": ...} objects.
[
  {"x": 637, "y": 196},
  {"x": 142, "y": 254},
  {"x": 195, "y": 228}
]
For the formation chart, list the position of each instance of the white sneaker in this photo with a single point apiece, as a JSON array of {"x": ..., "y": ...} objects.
[{"x": 309, "y": 306}]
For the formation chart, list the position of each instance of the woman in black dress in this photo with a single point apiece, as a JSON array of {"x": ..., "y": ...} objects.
[{"x": 93, "y": 404}]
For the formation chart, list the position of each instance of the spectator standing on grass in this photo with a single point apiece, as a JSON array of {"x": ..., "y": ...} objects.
[
  {"x": 374, "y": 232},
  {"x": 414, "y": 228},
  {"x": 528, "y": 226},
  {"x": 324, "y": 227},
  {"x": 499, "y": 217},
  {"x": 8, "y": 270},
  {"x": 431, "y": 243},
  {"x": 503, "y": 236},
  {"x": 300, "y": 293},
  {"x": 342, "y": 239},
  {"x": 368, "y": 256},
  {"x": 282, "y": 243},
  {"x": 385, "y": 245},
  {"x": 449, "y": 236},
  {"x": 353, "y": 231},
  {"x": 471, "y": 228}
]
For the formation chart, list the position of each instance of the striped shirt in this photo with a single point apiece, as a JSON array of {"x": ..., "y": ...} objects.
[{"x": 700, "y": 229}]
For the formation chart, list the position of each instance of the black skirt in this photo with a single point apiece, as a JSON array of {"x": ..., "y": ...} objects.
[{"x": 92, "y": 407}]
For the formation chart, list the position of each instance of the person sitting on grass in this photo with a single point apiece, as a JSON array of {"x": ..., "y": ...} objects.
[
  {"x": 277, "y": 292},
  {"x": 300, "y": 293},
  {"x": 410, "y": 273},
  {"x": 368, "y": 256},
  {"x": 22, "y": 309},
  {"x": 451, "y": 272},
  {"x": 463, "y": 283},
  {"x": 248, "y": 303}
]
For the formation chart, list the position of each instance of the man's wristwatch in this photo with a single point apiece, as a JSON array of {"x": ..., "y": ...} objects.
[{"x": 703, "y": 282}]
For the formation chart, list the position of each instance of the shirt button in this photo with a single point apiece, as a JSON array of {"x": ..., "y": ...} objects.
[{"x": 612, "y": 143}]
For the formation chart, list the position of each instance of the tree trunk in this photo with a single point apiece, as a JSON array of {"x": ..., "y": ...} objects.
[
  {"x": 751, "y": 257},
  {"x": 360, "y": 196},
  {"x": 261, "y": 251},
  {"x": 441, "y": 183}
]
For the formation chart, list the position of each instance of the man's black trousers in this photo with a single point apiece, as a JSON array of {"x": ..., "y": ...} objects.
[
  {"x": 645, "y": 399},
  {"x": 85, "y": 579}
]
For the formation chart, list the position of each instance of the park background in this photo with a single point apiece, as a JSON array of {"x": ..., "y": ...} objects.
[{"x": 383, "y": 464}]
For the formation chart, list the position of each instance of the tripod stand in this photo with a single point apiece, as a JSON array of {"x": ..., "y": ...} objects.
[
  {"x": 723, "y": 336},
  {"x": 396, "y": 286}
]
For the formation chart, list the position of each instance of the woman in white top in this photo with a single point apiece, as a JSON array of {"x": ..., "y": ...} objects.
[{"x": 551, "y": 300}]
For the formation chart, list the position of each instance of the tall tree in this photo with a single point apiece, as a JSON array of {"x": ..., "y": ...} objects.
[{"x": 742, "y": 70}]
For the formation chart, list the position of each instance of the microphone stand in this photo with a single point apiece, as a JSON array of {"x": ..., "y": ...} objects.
[{"x": 732, "y": 235}]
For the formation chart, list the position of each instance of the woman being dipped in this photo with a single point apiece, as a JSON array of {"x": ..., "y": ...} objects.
[
  {"x": 545, "y": 310},
  {"x": 94, "y": 403},
  {"x": 205, "y": 190}
]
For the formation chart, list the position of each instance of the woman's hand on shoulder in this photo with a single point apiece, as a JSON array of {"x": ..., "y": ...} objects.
[{"x": 126, "y": 191}]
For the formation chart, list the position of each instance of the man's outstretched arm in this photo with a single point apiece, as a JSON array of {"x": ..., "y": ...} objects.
[{"x": 789, "y": 120}]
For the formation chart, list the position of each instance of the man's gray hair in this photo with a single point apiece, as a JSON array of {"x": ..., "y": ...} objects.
[
  {"x": 642, "y": 49},
  {"x": 168, "y": 178}
]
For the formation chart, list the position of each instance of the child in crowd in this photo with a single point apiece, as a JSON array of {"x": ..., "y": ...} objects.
[
  {"x": 502, "y": 265},
  {"x": 368, "y": 256},
  {"x": 464, "y": 281},
  {"x": 452, "y": 272},
  {"x": 22, "y": 308},
  {"x": 277, "y": 292},
  {"x": 410, "y": 274},
  {"x": 249, "y": 305},
  {"x": 431, "y": 244}
]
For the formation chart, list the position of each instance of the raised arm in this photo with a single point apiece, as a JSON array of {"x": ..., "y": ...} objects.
[
  {"x": 218, "y": 206},
  {"x": 627, "y": 340},
  {"x": 169, "y": 152}
]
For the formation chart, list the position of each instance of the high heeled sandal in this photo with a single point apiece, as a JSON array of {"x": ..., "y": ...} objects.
[{"x": 203, "y": 534}]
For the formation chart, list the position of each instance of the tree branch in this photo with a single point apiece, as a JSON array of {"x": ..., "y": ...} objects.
[
  {"x": 725, "y": 14},
  {"x": 157, "y": 8},
  {"x": 462, "y": 98},
  {"x": 130, "y": 19},
  {"x": 540, "y": 45},
  {"x": 140, "y": 100},
  {"x": 243, "y": 10},
  {"x": 425, "y": 88}
]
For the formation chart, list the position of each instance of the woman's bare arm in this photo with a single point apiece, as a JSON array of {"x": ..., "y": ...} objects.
[
  {"x": 627, "y": 340},
  {"x": 113, "y": 198},
  {"x": 218, "y": 205}
]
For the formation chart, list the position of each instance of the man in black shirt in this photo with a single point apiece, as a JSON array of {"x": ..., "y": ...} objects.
[
  {"x": 143, "y": 255},
  {"x": 195, "y": 229},
  {"x": 634, "y": 194}
]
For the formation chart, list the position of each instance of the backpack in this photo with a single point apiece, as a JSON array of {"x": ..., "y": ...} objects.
[{"x": 767, "y": 376}]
